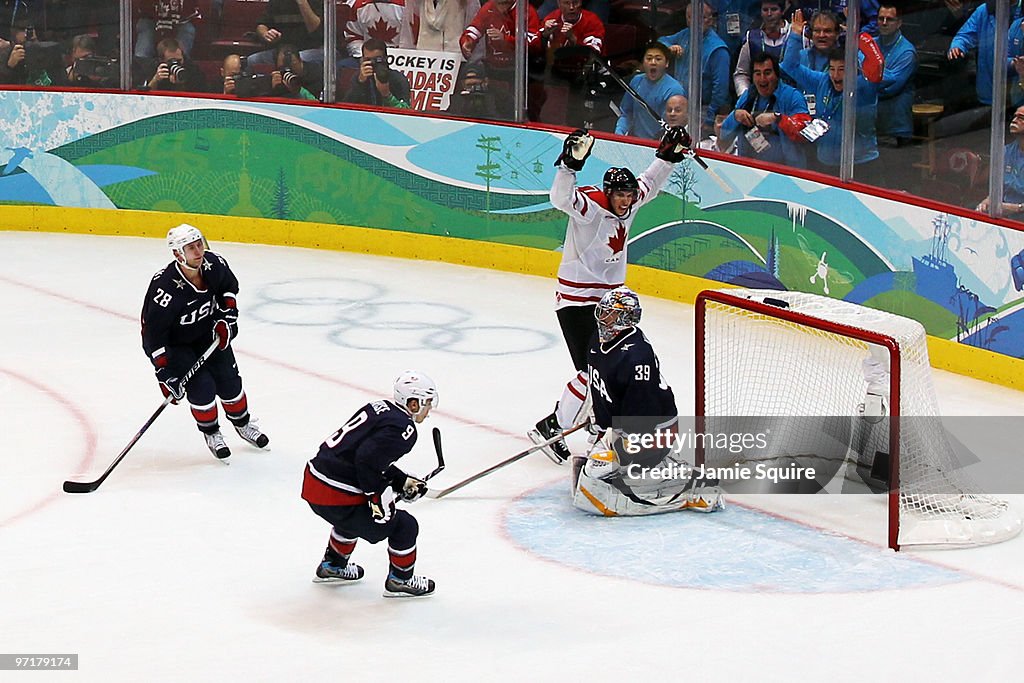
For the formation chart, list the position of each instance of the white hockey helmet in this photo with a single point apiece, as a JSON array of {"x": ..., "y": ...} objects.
[
  {"x": 412, "y": 384},
  {"x": 180, "y": 237},
  {"x": 617, "y": 311}
]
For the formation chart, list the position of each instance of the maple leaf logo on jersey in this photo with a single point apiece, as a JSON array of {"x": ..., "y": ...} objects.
[
  {"x": 384, "y": 31},
  {"x": 617, "y": 243}
]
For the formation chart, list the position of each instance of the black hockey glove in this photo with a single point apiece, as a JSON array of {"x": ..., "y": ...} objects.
[
  {"x": 412, "y": 489},
  {"x": 575, "y": 150},
  {"x": 382, "y": 506},
  {"x": 674, "y": 145},
  {"x": 170, "y": 384},
  {"x": 408, "y": 488}
]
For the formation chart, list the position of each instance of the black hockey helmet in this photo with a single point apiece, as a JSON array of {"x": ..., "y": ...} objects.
[{"x": 616, "y": 178}]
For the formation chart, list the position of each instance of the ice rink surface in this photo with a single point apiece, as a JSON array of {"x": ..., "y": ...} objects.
[{"x": 182, "y": 568}]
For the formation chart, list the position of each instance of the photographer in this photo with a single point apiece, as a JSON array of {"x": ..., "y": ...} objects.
[
  {"x": 27, "y": 61},
  {"x": 88, "y": 70},
  {"x": 378, "y": 84},
  {"x": 288, "y": 80},
  {"x": 476, "y": 100},
  {"x": 175, "y": 72}
]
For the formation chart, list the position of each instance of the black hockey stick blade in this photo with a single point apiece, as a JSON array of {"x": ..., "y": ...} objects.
[
  {"x": 508, "y": 461},
  {"x": 90, "y": 486}
]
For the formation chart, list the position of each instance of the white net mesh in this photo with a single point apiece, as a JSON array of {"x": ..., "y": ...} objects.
[{"x": 758, "y": 365}]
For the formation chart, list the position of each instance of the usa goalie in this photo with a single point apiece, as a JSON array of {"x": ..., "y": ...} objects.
[{"x": 633, "y": 468}]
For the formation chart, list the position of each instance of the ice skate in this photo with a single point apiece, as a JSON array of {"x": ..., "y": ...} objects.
[
  {"x": 250, "y": 431},
  {"x": 416, "y": 587},
  {"x": 328, "y": 572},
  {"x": 217, "y": 445},
  {"x": 545, "y": 430}
]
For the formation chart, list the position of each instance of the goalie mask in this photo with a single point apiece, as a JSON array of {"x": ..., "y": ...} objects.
[
  {"x": 618, "y": 310},
  {"x": 411, "y": 384},
  {"x": 180, "y": 237}
]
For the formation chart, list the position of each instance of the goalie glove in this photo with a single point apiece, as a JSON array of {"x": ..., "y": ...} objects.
[
  {"x": 382, "y": 506},
  {"x": 575, "y": 150},
  {"x": 675, "y": 143}
]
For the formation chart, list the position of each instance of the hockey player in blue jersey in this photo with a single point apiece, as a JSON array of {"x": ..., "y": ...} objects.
[
  {"x": 353, "y": 483},
  {"x": 190, "y": 303},
  {"x": 633, "y": 468}
]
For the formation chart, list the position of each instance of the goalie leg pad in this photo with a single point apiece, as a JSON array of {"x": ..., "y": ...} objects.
[{"x": 613, "y": 497}]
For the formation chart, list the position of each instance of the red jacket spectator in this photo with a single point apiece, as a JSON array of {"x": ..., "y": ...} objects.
[
  {"x": 586, "y": 27},
  {"x": 496, "y": 21},
  {"x": 380, "y": 19}
]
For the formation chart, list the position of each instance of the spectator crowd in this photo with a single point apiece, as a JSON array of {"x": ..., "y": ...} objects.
[{"x": 772, "y": 73}]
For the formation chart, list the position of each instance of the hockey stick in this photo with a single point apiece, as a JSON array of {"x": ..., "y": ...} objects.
[
  {"x": 656, "y": 116},
  {"x": 509, "y": 461},
  {"x": 90, "y": 486},
  {"x": 440, "y": 458}
]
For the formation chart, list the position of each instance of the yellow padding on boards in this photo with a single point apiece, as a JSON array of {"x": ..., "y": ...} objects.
[{"x": 944, "y": 354}]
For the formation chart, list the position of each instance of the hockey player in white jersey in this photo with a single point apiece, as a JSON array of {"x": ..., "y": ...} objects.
[
  {"x": 634, "y": 468},
  {"x": 594, "y": 256}
]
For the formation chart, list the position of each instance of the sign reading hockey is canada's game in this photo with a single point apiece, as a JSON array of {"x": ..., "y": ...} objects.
[{"x": 431, "y": 75}]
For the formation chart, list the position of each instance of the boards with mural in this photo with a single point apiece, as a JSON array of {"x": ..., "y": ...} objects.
[{"x": 961, "y": 278}]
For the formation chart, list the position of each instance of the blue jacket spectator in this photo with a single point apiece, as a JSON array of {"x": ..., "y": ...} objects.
[
  {"x": 714, "y": 66},
  {"x": 1016, "y": 62},
  {"x": 896, "y": 91},
  {"x": 828, "y": 91},
  {"x": 764, "y": 106},
  {"x": 655, "y": 86},
  {"x": 979, "y": 31},
  {"x": 1013, "y": 170},
  {"x": 734, "y": 19},
  {"x": 868, "y": 11}
]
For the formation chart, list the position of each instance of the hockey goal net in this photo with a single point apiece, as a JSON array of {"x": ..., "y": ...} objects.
[{"x": 768, "y": 354}]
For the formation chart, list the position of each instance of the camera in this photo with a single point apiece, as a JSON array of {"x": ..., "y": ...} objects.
[
  {"x": 176, "y": 69},
  {"x": 96, "y": 68},
  {"x": 380, "y": 68},
  {"x": 291, "y": 80}
]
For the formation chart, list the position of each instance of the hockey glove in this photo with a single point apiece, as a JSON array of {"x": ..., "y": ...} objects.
[
  {"x": 382, "y": 506},
  {"x": 409, "y": 489},
  {"x": 170, "y": 384},
  {"x": 674, "y": 145},
  {"x": 575, "y": 150},
  {"x": 223, "y": 332},
  {"x": 226, "y": 327},
  {"x": 412, "y": 489}
]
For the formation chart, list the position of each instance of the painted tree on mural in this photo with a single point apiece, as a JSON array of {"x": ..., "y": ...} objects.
[
  {"x": 684, "y": 182},
  {"x": 280, "y": 209}
]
